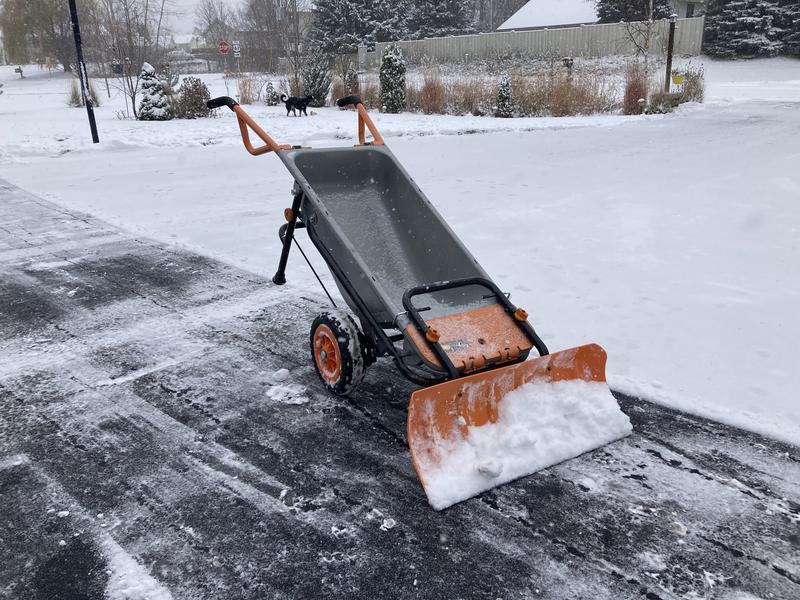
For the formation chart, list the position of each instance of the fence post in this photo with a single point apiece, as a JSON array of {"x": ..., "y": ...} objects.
[{"x": 670, "y": 49}]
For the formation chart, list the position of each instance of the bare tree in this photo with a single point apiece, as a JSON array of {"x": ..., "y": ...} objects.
[{"x": 135, "y": 30}]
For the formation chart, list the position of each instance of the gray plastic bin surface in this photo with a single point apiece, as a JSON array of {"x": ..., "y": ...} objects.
[{"x": 393, "y": 229}]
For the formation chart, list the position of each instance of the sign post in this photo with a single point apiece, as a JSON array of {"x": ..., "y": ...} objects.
[{"x": 237, "y": 54}]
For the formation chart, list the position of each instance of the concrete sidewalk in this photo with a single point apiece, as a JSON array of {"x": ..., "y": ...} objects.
[{"x": 148, "y": 449}]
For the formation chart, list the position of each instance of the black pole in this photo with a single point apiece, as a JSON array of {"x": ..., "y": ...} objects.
[
  {"x": 670, "y": 50},
  {"x": 83, "y": 74}
]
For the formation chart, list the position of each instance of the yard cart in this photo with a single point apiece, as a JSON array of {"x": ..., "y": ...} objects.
[{"x": 421, "y": 298}]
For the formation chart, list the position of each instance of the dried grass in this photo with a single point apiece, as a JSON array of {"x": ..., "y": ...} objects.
[
  {"x": 474, "y": 96},
  {"x": 248, "y": 90},
  {"x": 432, "y": 95},
  {"x": 371, "y": 93},
  {"x": 694, "y": 85},
  {"x": 633, "y": 100}
]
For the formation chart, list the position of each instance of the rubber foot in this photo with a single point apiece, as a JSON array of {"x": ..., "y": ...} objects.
[{"x": 279, "y": 279}]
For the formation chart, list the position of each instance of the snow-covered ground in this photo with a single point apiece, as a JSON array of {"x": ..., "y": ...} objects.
[{"x": 671, "y": 241}]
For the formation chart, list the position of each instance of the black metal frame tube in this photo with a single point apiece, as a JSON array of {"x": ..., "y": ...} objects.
[{"x": 280, "y": 276}]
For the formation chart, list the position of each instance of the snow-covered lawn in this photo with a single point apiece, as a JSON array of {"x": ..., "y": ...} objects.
[{"x": 672, "y": 241}]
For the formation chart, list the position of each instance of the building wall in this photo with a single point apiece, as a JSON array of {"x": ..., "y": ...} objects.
[{"x": 689, "y": 8}]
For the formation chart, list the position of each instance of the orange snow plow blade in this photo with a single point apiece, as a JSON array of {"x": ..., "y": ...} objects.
[{"x": 472, "y": 434}]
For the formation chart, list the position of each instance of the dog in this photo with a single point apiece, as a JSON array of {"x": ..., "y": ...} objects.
[{"x": 295, "y": 104}]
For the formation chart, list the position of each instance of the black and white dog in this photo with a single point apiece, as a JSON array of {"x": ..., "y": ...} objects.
[{"x": 294, "y": 104}]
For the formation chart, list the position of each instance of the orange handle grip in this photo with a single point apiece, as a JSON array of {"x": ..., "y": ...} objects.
[{"x": 364, "y": 120}]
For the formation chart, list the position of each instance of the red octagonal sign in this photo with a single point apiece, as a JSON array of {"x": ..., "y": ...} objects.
[{"x": 223, "y": 47}]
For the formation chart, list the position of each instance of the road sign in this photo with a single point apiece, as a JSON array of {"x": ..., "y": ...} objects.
[
  {"x": 237, "y": 47},
  {"x": 223, "y": 47}
]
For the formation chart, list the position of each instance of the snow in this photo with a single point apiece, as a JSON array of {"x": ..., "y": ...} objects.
[
  {"x": 670, "y": 240},
  {"x": 544, "y": 13},
  {"x": 540, "y": 424},
  {"x": 128, "y": 580}
]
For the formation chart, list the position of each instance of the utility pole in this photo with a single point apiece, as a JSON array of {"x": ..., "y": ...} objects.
[
  {"x": 670, "y": 50},
  {"x": 83, "y": 74}
]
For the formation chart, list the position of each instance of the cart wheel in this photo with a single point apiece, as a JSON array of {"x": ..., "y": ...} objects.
[{"x": 336, "y": 352}]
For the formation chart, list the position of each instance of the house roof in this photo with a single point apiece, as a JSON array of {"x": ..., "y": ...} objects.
[{"x": 549, "y": 13}]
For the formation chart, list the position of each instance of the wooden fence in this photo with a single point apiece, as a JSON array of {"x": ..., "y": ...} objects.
[{"x": 581, "y": 41}]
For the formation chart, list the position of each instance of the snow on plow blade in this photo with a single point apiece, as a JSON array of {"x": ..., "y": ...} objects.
[{"x": 472, "y": 434}]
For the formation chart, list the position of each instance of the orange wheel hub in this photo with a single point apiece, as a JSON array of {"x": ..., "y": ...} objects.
[{"x": 327, "y": 354}]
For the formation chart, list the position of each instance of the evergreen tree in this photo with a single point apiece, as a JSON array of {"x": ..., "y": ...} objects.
[
  {"x": 154, "y": 105},
  {"x": 271, "y": 95},
  {"x": 339, "y": 25},
  {"x": 317, "y": 76},
  {"x": 440, "y": 18},
  {"x": 745, "y": 28},
  {"x": 614, "y": 11},
  {"x": 791, "y": 25},
  {"x": 351, "y": 83},
  {"x": 393, "y": 80},
  {"x": 505, "y": 101}
]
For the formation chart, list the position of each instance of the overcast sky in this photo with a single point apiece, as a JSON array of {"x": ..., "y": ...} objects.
[{"x": 183, "y": 20}]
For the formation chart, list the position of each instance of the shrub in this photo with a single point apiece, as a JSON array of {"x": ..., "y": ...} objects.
[
  {"x": 76, "y": 98},
  {"x": 248, "y": 92},
  {"x": 694, "y": 85},
  {"x": 432, "y": 98},
  {"x": 505, "y": 99},
  {"x": 317, "y": 76},
  {"x": 662, "y": 103},
  {"x": 393, "y": 80},
  {"x": 635, "y": 91},
  {"x": 192, "y": 98}
]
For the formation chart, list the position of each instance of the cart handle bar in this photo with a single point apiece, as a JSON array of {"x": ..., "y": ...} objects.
[
  {"x": 245, "y": 122},
  {"x": 363, "y": 120}
]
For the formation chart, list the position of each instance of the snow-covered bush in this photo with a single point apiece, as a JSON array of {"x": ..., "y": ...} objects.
[
  {"x": 192, "y": 98},
  {"x": 271, "y": 95},
  {"x": 154, "y": 105},
  {"x": 393, "y": 80},
  {"x": 317, "y": 76},
  {"x": 505, "y": 99}
]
